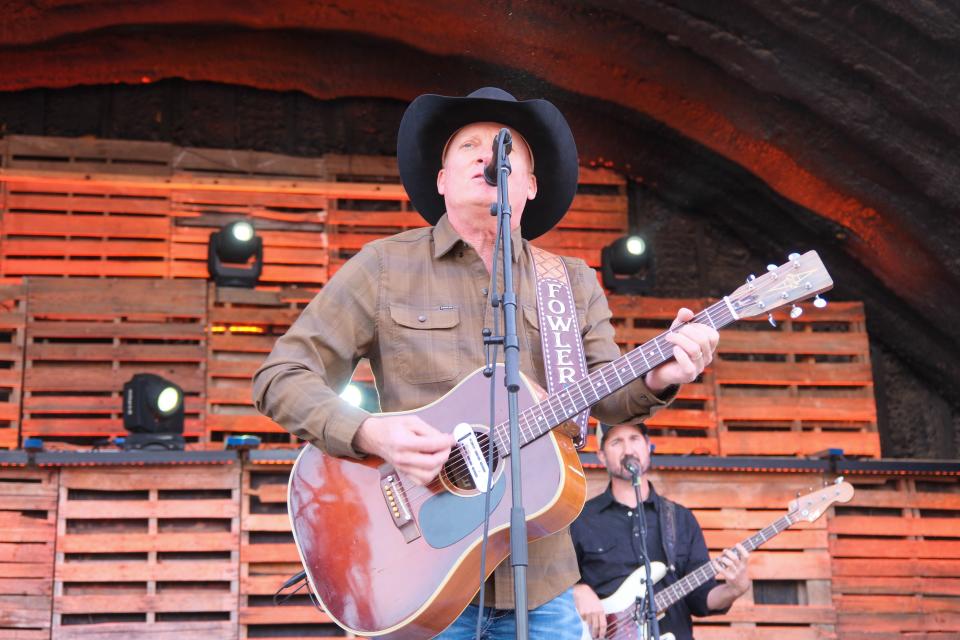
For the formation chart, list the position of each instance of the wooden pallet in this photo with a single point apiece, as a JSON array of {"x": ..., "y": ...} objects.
[
  {"x": 799, "y": 388},
  {"x": 291, "y": 224},
  {"x": 150, "y": 552},
  {"x": 689, "y": 424},
  {"x": 731, "y": 506},
  {"x": 597, "y": 217},
  {"x": 896, "y": 559},
  {"x": 87, "y": 155},
  {"x": 243, "y": 326},
  {"x": 268, "y": 557},
  {"x": 57, "y": 227},
  {"x": 28, "y": 517},
  {"x": 86, "y": 337},
  {"x": 12, "y": 329}
]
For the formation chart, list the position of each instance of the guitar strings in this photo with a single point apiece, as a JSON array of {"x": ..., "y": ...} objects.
[
  {"x": 606, "y": 373},
  {"x": 414, "y": 498}
]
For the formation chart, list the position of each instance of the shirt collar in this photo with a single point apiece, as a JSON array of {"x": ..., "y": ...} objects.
[
  {"x": 445, "y": 238},
  {"x": 606, "y": 498}
]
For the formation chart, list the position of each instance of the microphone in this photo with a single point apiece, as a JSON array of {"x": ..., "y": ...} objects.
[
  {"x": 490, "y": 171},
  {"x": 631, "y": 464}
]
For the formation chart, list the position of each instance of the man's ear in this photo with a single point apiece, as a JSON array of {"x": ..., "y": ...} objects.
[
  {"x": 532, "y": 187},
  {"x": 602, "y": 457},
  {"x": 441, "y": 181}
]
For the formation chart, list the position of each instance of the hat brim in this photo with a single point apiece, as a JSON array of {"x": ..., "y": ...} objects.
[{"x": 431, "y": 119}]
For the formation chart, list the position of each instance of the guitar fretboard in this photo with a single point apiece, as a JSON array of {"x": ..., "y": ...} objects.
[
  {"x": 602, "y": 381},
  {"x": 679, "y": 589}
]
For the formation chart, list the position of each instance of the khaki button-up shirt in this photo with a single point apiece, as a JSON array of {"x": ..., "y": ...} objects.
[{"x": 415, "y": 304}]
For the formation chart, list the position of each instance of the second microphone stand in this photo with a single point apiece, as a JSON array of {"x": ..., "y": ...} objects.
[{"x": 646, "y": 608}]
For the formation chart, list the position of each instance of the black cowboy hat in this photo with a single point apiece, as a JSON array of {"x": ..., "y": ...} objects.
[{"x": 430, "y": 120}]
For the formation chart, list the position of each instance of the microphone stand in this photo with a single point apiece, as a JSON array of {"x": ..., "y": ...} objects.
[
  {"x": 646, "y": 608},
  {"x": 511, "y": 361}
]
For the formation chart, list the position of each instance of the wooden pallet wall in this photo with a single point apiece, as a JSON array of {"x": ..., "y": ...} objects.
[
  {"x": 291, "y": 224},
  {"x": 88, "y": 336},
  {"x": 798, "y": 388},
  {"x": 196, "y": 551},
  {"x": 795, "y": 389},
  {"x": 896, "y": 559},
  {"x": 12, "y": 329},
  {"x": 28, "y": 519},
  {"x": 147, "y": 553},
  {"x": 86, "y": 207},
  {"x": 56, "y": 225},
  {"x": 243, "y": 326},
  {"x": 806, "y": 384}
]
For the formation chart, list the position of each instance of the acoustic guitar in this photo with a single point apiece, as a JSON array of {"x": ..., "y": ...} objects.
[{"x": 387, "y": 557}]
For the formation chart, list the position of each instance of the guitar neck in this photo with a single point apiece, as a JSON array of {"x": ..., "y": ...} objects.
[
  {"x": 603, "y": 381},
  {"x": 679, "y": 589}
]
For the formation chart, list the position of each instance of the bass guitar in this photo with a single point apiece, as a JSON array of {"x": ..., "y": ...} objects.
[
  {"x": 622, "y": 608},
  {"x": 387, "y": 557}
]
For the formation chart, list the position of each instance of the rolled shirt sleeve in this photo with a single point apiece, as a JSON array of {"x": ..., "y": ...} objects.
[{"x": 298, "y": 385}]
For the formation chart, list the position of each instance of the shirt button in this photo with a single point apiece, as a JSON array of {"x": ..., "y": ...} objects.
[
  {"x": 483, "y": 291},
  {"x": 629, "y": 513},
  {"x": 422, "y": 318}
]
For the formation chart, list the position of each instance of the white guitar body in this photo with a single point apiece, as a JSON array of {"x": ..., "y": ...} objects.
[{"x": 628, "y": 594}]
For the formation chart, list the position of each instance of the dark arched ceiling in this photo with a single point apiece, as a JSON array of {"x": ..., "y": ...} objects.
[{"x": 831, "y": 125}]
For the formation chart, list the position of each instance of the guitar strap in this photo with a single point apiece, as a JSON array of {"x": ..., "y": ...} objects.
[
  {"x": 563, "y": 357},
  {"x": 669, "y": 530}
]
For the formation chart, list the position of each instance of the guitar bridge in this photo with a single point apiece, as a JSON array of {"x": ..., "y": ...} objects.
[{"x": 396, "y": 500}]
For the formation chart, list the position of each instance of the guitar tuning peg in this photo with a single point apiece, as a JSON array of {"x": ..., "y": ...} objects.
[
  {"x": 796, "y": 312},
  {"x": 771, "y": 267},
  {"x": 751, "y": 278},
  {"x": 793, "y": 257},
  {"x": 819, "y": 302},
  {"x": 773, "y": 323}
]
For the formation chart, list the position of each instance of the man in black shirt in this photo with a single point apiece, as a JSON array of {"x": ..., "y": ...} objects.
[{"x": 606, "y": 537}]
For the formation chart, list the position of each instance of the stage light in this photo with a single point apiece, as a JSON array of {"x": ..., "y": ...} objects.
[
  {"x": 352, "y": 395},
  {"x": 361, "y": 395},
  {"x": 239, "y": 245},
  {"x": 152, "y": 413},
  {"x": 627, "y": 265}
]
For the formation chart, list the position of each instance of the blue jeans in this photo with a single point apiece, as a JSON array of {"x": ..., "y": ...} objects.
[{"x": 555, "y": 620}]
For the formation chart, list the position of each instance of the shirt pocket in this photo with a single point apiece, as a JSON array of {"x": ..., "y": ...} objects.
[
  {"x": 598, "y": 547},
  {"x": 426, "y": 342},
  {"x": 599, "y": 555}
]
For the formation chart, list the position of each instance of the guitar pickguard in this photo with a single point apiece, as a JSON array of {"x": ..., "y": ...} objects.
[{"x": 447, "y": 518}]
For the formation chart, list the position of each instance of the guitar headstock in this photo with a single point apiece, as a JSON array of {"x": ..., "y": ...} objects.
[
  {"x": 811, "y": 506},
  {"x": 801, "y": 277}
]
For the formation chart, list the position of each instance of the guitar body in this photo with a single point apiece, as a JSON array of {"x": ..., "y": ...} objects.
[
  {"x": 378, "y": 575},
  {"x": 621, "y": 604}
]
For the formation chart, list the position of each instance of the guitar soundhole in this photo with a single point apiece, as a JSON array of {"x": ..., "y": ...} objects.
[{"x": 455, "y": 470}]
